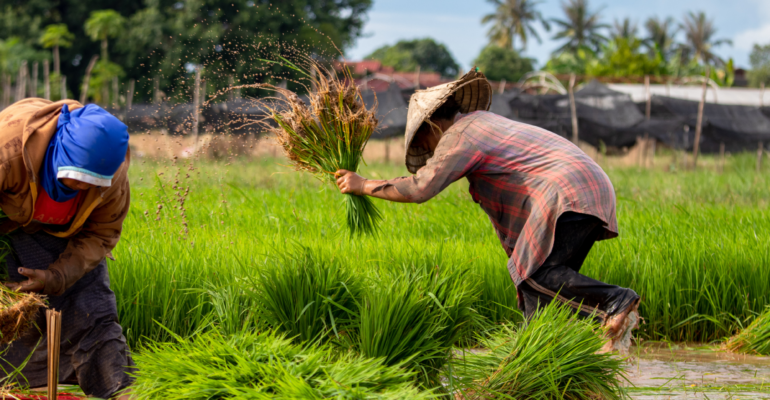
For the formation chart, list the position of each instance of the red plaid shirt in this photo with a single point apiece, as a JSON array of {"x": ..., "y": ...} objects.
[{"x": 523, "y": 177}]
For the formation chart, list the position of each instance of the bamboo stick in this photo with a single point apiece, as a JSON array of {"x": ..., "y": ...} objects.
[
  {"x": 699, "y": 124},
  {"x": 33, "y": 80},
  {"x": 21, "y": 81},
  {"x": 53, "y": 319},
  {"x": 573, "y": 109},
  {"x": 196, "y": 104},
  {"x": 63, "y": 88}
]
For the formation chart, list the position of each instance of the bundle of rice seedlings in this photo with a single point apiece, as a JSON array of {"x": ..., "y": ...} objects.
[
  {"x": 17, "y": 313},
  {"x": 554, "y": 357},
  {"x": 415, "y": 317},
  {"x": 264, "y": 365},
  {"x": 755, "y": 339},
  {"x": 328, "y": 135},
  {"x": 306, "y": 298}
]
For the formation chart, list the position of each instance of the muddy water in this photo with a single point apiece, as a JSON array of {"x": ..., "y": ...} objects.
[{"x": 680, "y": 371}]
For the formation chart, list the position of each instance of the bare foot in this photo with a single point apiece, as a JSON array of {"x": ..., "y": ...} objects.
[{"x": 620, "y": 327}]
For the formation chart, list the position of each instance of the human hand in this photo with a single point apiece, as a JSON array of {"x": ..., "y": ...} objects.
[
  {"x": 350, "y": 182},
  {"x": 35, "y": 283}
]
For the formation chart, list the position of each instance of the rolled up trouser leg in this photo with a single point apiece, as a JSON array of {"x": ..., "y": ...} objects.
[
  {"x": 585, "y": 295},
  {"x": 559, "y": 276},
  {"x": 94, "y": 352}
]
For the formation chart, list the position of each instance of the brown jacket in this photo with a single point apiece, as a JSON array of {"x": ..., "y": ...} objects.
[{"x": 26, "y": 128}]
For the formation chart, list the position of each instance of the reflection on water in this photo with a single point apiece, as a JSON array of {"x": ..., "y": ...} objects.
[{"x": 691, "y": 371}]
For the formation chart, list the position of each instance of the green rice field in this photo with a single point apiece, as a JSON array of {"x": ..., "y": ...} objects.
[{"x": 216, "y": 251}]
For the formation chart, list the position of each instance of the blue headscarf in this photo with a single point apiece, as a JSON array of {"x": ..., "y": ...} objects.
[{"x": 89, "y": 145}]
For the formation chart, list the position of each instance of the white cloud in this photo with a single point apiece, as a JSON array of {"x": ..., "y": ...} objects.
[{"x": 746, "y": 39}]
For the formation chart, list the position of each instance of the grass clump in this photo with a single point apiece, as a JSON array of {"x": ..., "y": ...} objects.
[
  {"x": 553, "y": 357},
  {"x": 306, "y": 298},
  {"x": 264, "y": 365},
  {"x": 755, "y": 339},
  {"x": 328, "y": 135},
  {"x": 415, "y": 317},
  {"x": 17, "y": 313}
]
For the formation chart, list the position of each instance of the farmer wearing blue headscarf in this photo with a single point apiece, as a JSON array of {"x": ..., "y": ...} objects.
[{"x": 65, "y": 193}]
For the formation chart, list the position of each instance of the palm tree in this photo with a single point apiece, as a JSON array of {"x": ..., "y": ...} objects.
[
  {"x": 580, "y": 28},
  {"x": 660, "y": 34},
  {"x": 55, "y": 36},
  {"x": 102, "y": 25},
  {"x": 624, "y": 29},
  {"x": 699, "y": 34},
  {"x": 514, "y": 18}
]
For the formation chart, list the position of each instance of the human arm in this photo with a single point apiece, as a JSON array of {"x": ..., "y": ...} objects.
[{"x": 454, "y": 158}]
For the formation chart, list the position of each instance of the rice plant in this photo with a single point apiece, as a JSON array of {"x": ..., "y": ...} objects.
[
  {"x": 415, "y": 317},
  {"x": 554, "y": 356},
  {"x": 17, "y": 313},
  {"x": 264, "y": 365},
  {"x": 755, "y": 339},
  {"x": 329, "y": 135},
  {"x": 306, "y": 298}
]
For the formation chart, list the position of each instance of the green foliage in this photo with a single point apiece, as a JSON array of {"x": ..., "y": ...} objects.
[
  {"x": 264, "y": 365},
  {"x": 13, "y": 52},
  {"x": 307, "y": 299},
  {"x": 407, "y": 55},
  {"x": 499, "y": 63},
  {"x": 622, "y": 57},
  {"x": 581, "y": 27},
  {"x": 554, "y": 356},
  {"x": 513, "y": 18},
  {"x": 760, "y": 65},
  {"x": 755, "y": 339},
  {"x": 724, "y": 76},
  {"x": 571, "y": 62},
  {"x": 101, "y": 78},
  {"x": 56, "y": 35},
  {"x": 417, "y": 318},
  {"x": 104, "y": 24}
]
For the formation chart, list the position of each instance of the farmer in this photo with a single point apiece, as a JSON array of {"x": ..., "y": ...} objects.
[
  {"x": 65, "y": 192},
  {"x": 547, "y": 200}
]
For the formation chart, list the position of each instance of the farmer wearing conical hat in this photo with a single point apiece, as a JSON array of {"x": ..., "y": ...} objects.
[
  {"x": 65, "y": 193},
  {"x": 547, "y": 200}
]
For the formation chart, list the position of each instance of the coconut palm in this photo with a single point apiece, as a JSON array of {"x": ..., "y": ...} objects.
[
  {"x": 660, "y": 34},
  {"x": 624, "y": 29},
  {"x": 102, "y": 25},
  {"x": 514, "y": 18},
  {"x": 580, "y": 28},
  {"x": 55, "y": 36},
  {"x": 699, "y": 35}
]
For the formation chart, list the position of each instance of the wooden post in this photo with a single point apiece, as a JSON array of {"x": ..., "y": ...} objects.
[
  {"x": 87, "y": 79},
  {"x": 573, "y": 109},
  {"x": 33, "y": 81},
  {"x": 230, "y": 84},
  {"x": 699, "y": 124},
  {"x": 722, "y": 157},
  {"x": 115, "y": 92},
  {"x": 130, "y": 94},
  {"x": 46, "y": 80},
  {"x": 760, "y": 149},
  {"x": 21, "y": 82},
  {"x": 647, "y": 113},
  {"x": 502, "y": 86},
  {"x": 53, "y": 338},
  {"x": 387, "y": 150},
  {"x": 156, "y": 90},
  {"x": 63, "y": 87},
  {"x": 6, "y": 90},
  {"x": 196, "y": 104}
]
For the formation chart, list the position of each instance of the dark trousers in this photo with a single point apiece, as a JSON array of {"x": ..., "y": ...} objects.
[
  {"x": 94, "y": 353},
  {"x": 559, "y": 277}
]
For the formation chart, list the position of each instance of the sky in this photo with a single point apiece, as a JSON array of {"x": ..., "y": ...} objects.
[{"x": 457, "y": 24}]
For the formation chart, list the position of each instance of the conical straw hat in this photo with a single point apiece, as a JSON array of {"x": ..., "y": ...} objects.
[{"x": 473, "y": 92}]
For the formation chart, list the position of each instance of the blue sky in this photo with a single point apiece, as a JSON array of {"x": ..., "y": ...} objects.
[{"x": 457, "y": 23}]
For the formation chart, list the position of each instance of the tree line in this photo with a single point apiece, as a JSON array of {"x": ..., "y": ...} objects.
[
  {"x": 589, "y": 46},
  {"x": 158, "y": 43}
]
